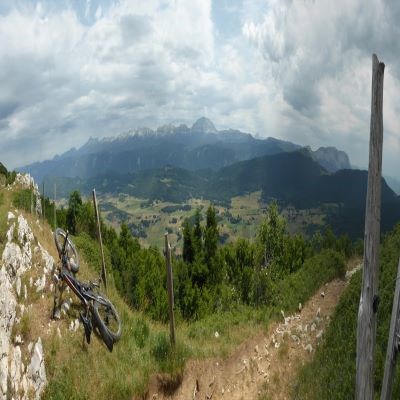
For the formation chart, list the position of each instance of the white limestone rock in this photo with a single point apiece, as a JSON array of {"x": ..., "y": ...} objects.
[
  {"x": 36, "y": 373},
  {"x": 18, "y": 286},
  {"x": 10, "y": 233},
  {"x": 308, "y": 348},
  {"x": 25, "y": 233},
  {"x": 40, "y": 283},
  {"x": 10, "y": 216},
  {"x": 15, "y": 369},
  {"x": 7, "y": 317},
  {"x": 48, "y": 260},
  {"x": 12, "y": 258}
]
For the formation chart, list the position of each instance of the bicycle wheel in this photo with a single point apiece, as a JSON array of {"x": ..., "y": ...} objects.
[
  {"x": 70, "y": 249},
  {"x": 107, "y": 321}
]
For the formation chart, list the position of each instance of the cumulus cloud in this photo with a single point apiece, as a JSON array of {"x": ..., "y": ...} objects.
[
  {"x": 319, "y": 55},
  {"x": 298, "y": 70},
  {"x": 64, "y": 80}
]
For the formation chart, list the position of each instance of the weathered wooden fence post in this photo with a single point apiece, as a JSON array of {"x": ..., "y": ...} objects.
[
  {"x": 103, "y": 263},
  {"x": 366, "y": 328},
  {"x": 170, "y": 287},
  {"x": 392, "y": 348}
]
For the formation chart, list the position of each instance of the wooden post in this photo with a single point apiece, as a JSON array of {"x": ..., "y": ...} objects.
[
  {"x": 391, "y": 352},
  {"x": 103, "y": 263},
  {"x": 170, "y": 287},
  {"x": 366, "y": 328}
]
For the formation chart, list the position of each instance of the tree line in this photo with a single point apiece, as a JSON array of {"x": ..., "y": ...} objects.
[{"x": 208, "y": 276}]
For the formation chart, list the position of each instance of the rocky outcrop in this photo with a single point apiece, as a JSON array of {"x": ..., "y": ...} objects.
[
  {"x": 331, "y": 158},
  {"x": 22, "y": 254},
  {"x": 26, "y": 181},
  {"x": 36, "y": 373},
  {"x": 7, "y": 317}
]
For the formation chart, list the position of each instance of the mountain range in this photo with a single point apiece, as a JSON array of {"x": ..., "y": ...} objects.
[
  {"x": 293, "y": 178},
  {"x": 175, "y": 164},
  {"x": 201, "y": 146}
]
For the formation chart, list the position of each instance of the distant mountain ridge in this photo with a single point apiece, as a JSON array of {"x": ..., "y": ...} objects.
[
  {"x": 290, "y": 177},
  {"x": 331, "y": 158},
  {"x": 393, "y": 183},
  {"x": 198, "y": 147}
]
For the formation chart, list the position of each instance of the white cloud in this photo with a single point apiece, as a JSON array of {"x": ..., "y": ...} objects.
[
  {"x": 99, "y": 12},
  {"x": 298, "y": 70},
  {"x": 318, "y": 55}
]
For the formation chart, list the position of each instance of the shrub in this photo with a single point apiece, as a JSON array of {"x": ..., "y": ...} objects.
[
  {"x": 141, "y": 332},
  {"x": 170, "y": 359},
  {"x": 22, "y": 199},
  {"x": 161, "y": 348},
  {"x": 331, "y": 375},
  {"x": 298, "y": 287}
]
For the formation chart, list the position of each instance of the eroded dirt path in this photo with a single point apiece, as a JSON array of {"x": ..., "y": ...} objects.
[{"x": 264, "y": 364}]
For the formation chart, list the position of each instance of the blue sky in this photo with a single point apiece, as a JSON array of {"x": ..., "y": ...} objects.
[{"x": 298, "y": 70}]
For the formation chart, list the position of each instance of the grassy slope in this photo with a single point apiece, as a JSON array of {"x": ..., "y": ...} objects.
[
  {"x": 77, "y": 371},
  {"x": 91, "y": 372},
  {"x": 143, "y": 349},
  {"x": 331, "y": 375}
]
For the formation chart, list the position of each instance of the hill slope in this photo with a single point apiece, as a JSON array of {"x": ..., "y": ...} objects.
[{"x": 332, "y": 373}]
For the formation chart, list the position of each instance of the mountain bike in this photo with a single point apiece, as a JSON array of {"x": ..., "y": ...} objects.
[{"x": 99, "y": 314}]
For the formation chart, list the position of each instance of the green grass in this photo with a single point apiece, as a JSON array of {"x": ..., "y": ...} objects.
[
  {"x": 91, "y": 372},
  {"x": 331, "y": 374},
  {"x": 299, "y": 286},
  {"x": 77, "y": 371},
  {"x": 4, "y": 208},
  {"x": 144, "y": 348}
]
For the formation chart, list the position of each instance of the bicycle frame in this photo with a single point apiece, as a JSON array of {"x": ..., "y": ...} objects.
[{"x": 86, "y": 293}]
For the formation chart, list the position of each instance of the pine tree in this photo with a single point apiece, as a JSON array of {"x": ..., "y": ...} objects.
[
  {"x": 188, "y": 253},
  {"x": 74, "y": 206},
  {"x": 197, "y": 234},
  {"x": 210, "y": 235},
  {"x": 271, "y": 236}
]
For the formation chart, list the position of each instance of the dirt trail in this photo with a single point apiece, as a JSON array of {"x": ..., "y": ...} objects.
[{"x": 264, "y": 364}]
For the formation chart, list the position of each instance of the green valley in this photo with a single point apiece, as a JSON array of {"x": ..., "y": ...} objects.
[{"x": 149, "y": 220}]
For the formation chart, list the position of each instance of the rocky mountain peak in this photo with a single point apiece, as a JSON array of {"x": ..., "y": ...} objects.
[
  {"x": 204, "y": 125},
  {"x": 332, "y": 159}
]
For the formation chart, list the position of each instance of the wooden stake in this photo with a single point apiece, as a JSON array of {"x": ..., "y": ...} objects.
[
  {"x": 366, "y": 328},
  {"x": 103, "y": 263},
  {"x": 170, "y": 287},
  {"x": 391, "y": 352}
]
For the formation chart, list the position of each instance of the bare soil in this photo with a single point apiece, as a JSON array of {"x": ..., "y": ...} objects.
[{"x": 264, "y": 366}]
